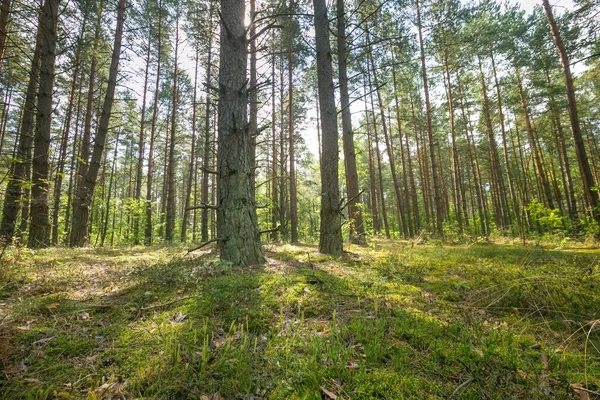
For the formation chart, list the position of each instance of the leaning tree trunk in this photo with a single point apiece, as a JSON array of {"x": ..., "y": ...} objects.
[
  {"x": 85, "y": 191},
  {"x": 14, "y": 190},
  {"x": 237, "y": 225},
  {"x": 590, "y": 189},
  {"x": 330, "y": 241},
  {"x": 39, "y": 230},
  {"x": 4, "y": 11}
]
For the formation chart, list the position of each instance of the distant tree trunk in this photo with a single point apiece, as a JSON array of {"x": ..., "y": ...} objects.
[
  {"x": 109, "y": 191},
  {"x": 188, "y": 190},
  {"x": 14, "y": 190},
  {"x": 149, "y": 198},
  {"x": 455, "y": 166},
  {"x": 84, "y": 195},
  {"x": 64, "y": 142},
  {"x": 372, "y": 181},
  {"x": 39, "y": 230},
  {"x": 207, "y": 143},
  {"x": 375, "y": 140},
  {"x": 237, "y": 226},
  {"x": 292, "y": 156},
  {"x": 541, "y": 173},
  {"x": 591, "y": 192},
  {"x": 141, "y": 149},
  {"x": 171, "y": 189},
  {"x": 405, "y": 173},
  {"x": 436, "y": 185},
  {"x": 330, "y": 241}
]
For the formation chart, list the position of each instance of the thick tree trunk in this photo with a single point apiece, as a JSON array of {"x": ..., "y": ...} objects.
[
  {"x": 14, "y": 190},
  {"x": 330, "y": 241},
  {"x": 357, "y": 230},
  {"x": 39, "y": 230},
  {"x": 589, "y": 186},
  {"x": 84, "y": 195},
  {"x": 4, "y": 11},
  {"x": 237, "y": 226}
]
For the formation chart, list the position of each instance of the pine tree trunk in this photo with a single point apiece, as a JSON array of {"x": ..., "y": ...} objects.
[
  {"x": 436, "y": 185},
  {"x": 14, "y": 190},
  {"x": 274, "y": 165},
  {"x": 291, "y": 145},
  {"x": 237, "y": 226},
  {"x": 188, "y": 190},
  {"x": 39, "y": 230},
  {"x": 591, "y": 192},
  {"x": 357, "y": 230},
  {"x": 4, "y": 11},
  {"x": 330, "y": 241},
  {"x": 84, "y": 195},
  {"x": 171, "y": 189},
  {"x": 372, "y": 181},
  {"x": 207, "y": 135}
]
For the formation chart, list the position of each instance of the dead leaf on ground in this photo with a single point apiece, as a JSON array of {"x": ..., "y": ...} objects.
[
  {"x": 582, "y": 393},
  {"x": 330, "y": 395}
]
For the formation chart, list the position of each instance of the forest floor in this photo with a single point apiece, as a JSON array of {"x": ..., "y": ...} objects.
[{"x": 391, "y": 320}]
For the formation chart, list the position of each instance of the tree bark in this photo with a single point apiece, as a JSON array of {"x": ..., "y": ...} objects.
[
  {"x": 237, "y": 226},
  {"x": 357, "y": 230},
  {"x": 171, "y": 189},
  {"x": 85, "y": 192},
  {"x": 589, "y": 186},
  {"x": 330, "y": 240},
  {"x": 39, "y": 230},
  {"x": 14, "y": 190},
  {"x": 207, "y": 143}
]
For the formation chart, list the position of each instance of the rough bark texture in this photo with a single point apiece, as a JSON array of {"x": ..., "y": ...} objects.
[
  {"x": 39, "y": 231},
  {"x": 237, "y": 227},
  {"x": 591, "y": 194},
  {"x": 357, "y": 229},
  {"x": 4, "y": 11},
  {"x": 14, "y": 190},
  {"x": 85, "y": 192},
  {"x": 330, "y": 241}
]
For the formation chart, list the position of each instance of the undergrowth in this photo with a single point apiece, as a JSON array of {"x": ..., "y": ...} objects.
[{"x": 391, "y": 320}]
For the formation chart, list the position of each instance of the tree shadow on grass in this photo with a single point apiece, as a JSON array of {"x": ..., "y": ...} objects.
[{"x": 192, "y": 327}]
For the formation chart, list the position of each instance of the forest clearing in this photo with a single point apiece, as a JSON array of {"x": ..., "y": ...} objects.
[{"x": 393, "y": 320}]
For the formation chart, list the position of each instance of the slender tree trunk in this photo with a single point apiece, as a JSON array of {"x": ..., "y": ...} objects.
[
  {"x": 372, "y": 181},
  {"x": 149, "y": 199},
  {"x": 292, "y": 156},
  {"x": 39, "y": 231},
  {"x": 436, "y": 185},
  {"x": 237, "y": 226},
  {"x": 188, "y": 190},
  {"x": 357, "y": 230},
  {"x": 14, "y": 190},
  {"x": 330, "y": 241},
  {"x": 589, "y": 186},
  {"x": 207, "y": 135},
  {"x": 541, "y": 173},
  {"x": 109, "y": 191},
  {"x": 83, "y": 199},
  {"x": 171, "y": 189},
  {"x": 274, "y": 166}
]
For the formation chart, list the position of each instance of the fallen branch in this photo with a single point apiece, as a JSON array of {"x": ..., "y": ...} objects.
[
  {"x": 202, "y": 245},
  {"x": 203, "y": 206},
  {"x": 350, "y": 200},
  {"x": 270, "y": 230}
]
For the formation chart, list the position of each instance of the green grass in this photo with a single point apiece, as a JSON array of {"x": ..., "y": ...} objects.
[{"x": 388, "y": 321}]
